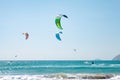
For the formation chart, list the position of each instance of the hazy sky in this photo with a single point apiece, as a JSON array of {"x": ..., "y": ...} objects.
[{"x": 93, "y": 29}]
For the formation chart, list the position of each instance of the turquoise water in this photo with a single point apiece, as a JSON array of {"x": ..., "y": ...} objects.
[{"x": 49, "y": 67}]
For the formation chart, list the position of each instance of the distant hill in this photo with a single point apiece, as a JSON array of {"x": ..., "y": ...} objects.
[{"x": 117, "y": 57}]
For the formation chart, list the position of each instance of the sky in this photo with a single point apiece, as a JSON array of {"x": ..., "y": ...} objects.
[{"x": 92, "y": 28}]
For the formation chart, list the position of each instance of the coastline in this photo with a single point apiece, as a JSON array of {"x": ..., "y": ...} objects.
[{"x": 62, "y": 76}]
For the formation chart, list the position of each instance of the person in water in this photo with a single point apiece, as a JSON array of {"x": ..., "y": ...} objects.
[{"x": 92, "y": 62}]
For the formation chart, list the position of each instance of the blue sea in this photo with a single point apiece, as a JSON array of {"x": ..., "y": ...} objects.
[{"x": 58, "y": 69}]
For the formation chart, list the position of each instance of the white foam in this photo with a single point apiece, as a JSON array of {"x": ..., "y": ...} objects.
[
  {"x": 59, "y": 76},
  {"x": 115, "y": 77}
]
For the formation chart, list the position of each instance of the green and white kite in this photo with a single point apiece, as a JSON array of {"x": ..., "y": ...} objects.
[{"x": 58, "y": 21}]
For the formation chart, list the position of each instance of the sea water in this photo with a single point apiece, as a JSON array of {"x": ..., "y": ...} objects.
[{"x": 59, "y": 70}]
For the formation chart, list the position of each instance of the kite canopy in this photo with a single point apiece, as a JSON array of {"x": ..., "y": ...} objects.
[
  {"x": 75, "y": 50},
  {"x": 58, "y": 36},
  {"x": 26, "y": 35},
  {"x": 65, "y": 16},
  {"x": 16, "y": 55},
  {"x": 58, "y": 21}
]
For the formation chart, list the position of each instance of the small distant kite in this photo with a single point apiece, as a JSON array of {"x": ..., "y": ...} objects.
[
  {"x": 74, "y": 50},
  {"x": 58, "y": 21},
  {"x": 26, "y": 35},
  {"x": 58, "y": 36},
  {"x": 16, "y": 55}
]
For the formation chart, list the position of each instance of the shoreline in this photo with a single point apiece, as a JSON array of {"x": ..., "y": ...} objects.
[{"x": 62, "y": 76}]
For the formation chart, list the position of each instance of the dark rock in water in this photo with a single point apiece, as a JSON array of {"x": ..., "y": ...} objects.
[
  {"x": 98, "y": 76},
  {"x": 117, "y": 57}
]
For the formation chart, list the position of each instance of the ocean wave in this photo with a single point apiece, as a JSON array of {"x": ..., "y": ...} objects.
[
  {"x": 69, "y": 66},
  {"x": 62, "y": 76},
  {"x": 59, "y": 68},
  {"x": 115, "y": 77},
  {"x": 106, "y": 65}
]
